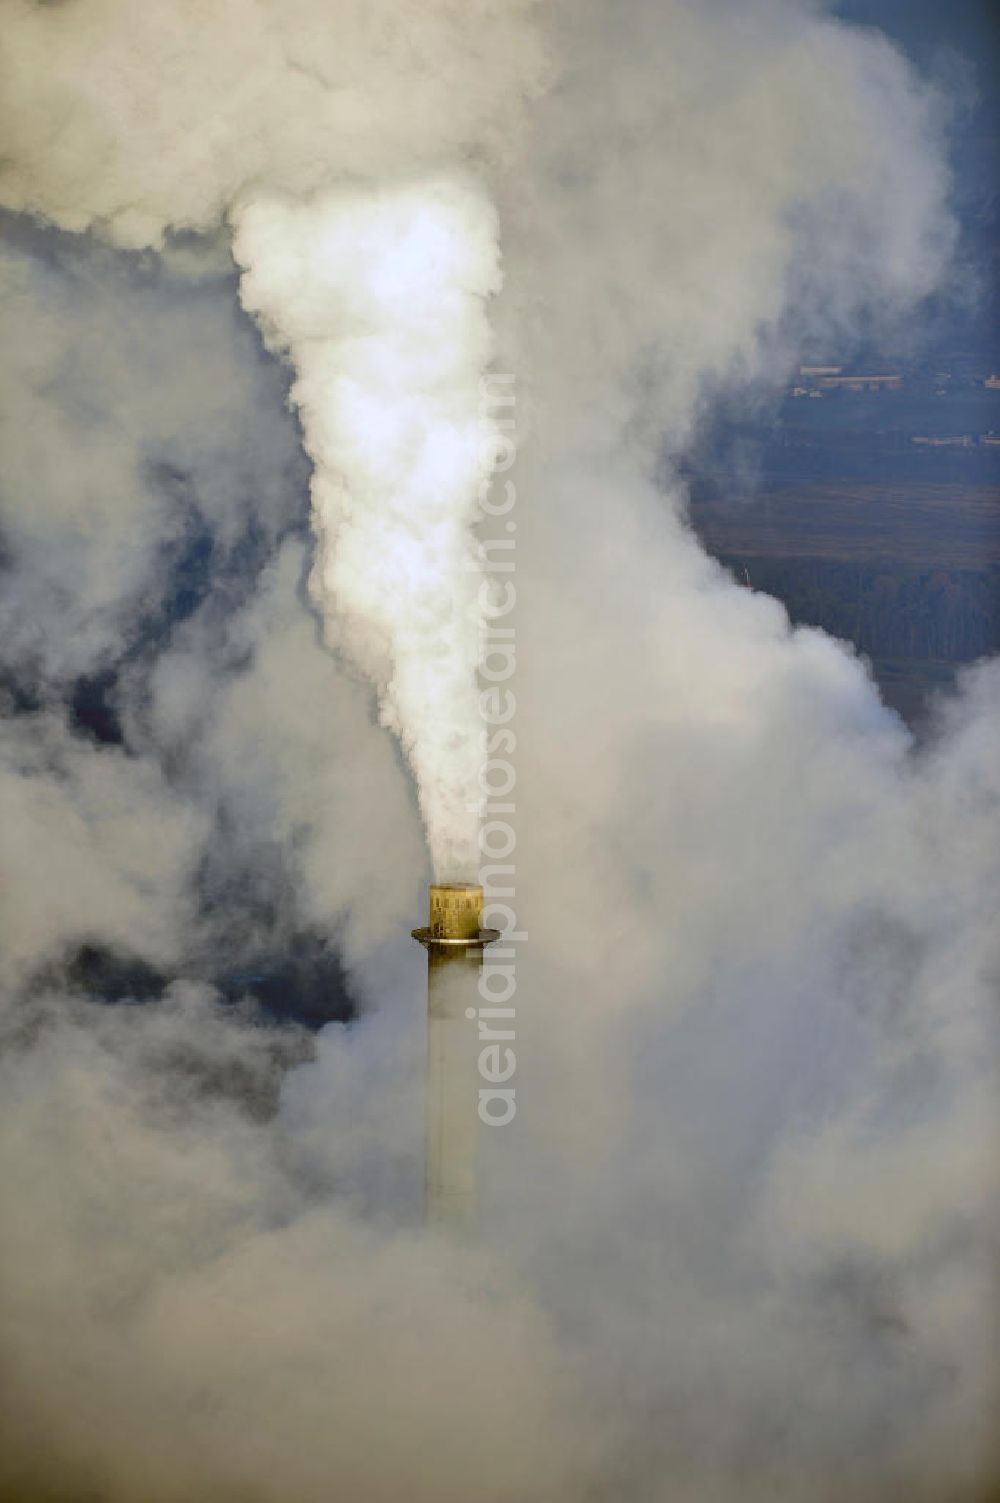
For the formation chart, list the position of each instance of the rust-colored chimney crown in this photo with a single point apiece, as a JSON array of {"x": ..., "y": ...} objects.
[{"x": 456, "y": 916}]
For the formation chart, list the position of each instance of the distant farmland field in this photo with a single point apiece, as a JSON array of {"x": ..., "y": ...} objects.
[
  {"x": 949, "y": 526},
  {"x": 910, "y": 574}
]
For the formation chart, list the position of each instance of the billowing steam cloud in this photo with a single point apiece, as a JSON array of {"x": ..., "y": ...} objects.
[
  {"x": 738, "y": 1241},
  {"x": 379, "y": 300},
  {"x": 139, "y": 123}
]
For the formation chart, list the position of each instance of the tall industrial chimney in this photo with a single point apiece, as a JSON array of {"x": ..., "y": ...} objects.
[{"x": 454, "y": 941}]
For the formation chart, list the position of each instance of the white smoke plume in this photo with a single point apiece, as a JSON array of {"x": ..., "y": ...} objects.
[
  {"x": 142, "y": 120},
  {"x": 379, "y": 304},
  {"x": 737, "y": 1243},
  {"x": 379, "y": 300}
]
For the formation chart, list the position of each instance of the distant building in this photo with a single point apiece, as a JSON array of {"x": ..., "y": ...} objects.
[{"x": 860, "y": 383}]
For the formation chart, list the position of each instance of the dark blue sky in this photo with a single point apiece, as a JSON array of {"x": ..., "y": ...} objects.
[
  {"x": 932, "y": 31},
  {"x": 926, "y": 26}
]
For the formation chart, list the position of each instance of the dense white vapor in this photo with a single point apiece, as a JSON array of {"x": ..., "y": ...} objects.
[
  {"x": 98, "y": 844},
  {"x": 144, "y": 118},
  {"x": 284, "y": 749},
  {"x": 378, "y": 298},
  {"x": 711, "y": 212},
  {"x": 128, "y": 440},
  {"x": 737, "y": 1242},
  {"x": 205, "y": 116},
  {"x": 188, "y": 1321}
]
